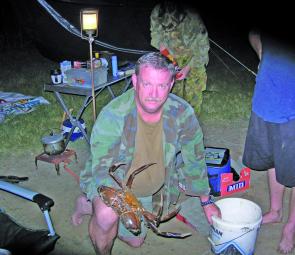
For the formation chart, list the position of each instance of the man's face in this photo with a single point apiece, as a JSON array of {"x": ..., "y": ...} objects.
[{"x": 152, "y": 87}]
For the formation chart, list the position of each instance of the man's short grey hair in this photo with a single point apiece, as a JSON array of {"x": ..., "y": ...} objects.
[{"x": 157, "y": 61}]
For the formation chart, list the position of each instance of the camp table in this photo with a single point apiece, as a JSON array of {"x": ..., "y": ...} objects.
[{"x": 63, "y": 88}]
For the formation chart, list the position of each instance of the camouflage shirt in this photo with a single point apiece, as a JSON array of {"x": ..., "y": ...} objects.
[
  {"x": 184, "y": 34},
  {"x": 113, "y": 141},
  {"x": 181, "y": 30}
]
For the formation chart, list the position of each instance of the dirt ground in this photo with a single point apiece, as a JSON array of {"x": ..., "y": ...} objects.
[{"x": 63, "y": 189}]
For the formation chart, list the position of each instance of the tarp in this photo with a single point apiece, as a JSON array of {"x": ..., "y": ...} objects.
[{"x": 15, "y": 103}]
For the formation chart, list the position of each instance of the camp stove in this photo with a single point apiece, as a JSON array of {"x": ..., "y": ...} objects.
[{"x": 64, "y": 157}]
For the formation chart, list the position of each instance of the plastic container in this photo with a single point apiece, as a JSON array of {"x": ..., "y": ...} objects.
[
  {"x": 66, "y": 128},
  {"x": 114, "y": 66},
  {"x": 236, "y": 232},
  {"x": 64, "y": 66},
  {"x": 82, "y": 76},
  {"x": 56, "y": 76}
]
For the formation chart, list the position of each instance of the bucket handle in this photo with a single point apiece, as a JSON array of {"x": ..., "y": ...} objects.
[
  {"x": 49, "y": 129},
  {"x": 211, "y": 241}
]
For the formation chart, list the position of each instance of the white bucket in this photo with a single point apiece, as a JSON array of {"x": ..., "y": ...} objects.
[{"x": 237, "y": 231}]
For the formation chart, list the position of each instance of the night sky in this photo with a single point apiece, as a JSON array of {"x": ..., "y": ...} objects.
[{"x": 227, "y": 23}]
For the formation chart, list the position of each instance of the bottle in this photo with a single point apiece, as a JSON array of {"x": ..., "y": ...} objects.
[
  {"x": 104, "y": 62},
  {"x": 96, "y": 60},
  {"x": 96, "y": 63},
  {"x": 96, "y": 55},
  {"x": 114, "y": 66}
]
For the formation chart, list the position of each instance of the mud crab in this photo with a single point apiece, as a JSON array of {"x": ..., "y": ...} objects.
[{"x": 129, "y": 208}]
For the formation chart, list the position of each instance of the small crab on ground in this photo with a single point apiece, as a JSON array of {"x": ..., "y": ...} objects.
[{"x": 129, "y": 208}]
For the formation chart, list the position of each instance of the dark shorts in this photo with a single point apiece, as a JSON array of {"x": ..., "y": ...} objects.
[{"x": 271, "y": 145}]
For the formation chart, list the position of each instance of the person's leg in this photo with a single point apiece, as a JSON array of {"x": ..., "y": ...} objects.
[
  {"x": 276, "y": 199},
  {"x": 103, "y": 227},
  {"x": 284, "y": 147},
  {"x": 83, "y": 207},
  {"x": 287, "y": 241}
]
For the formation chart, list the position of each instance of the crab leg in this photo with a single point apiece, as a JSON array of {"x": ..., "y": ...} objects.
[
  {"x": 112, "y": 169},
  {"x": 160, "y": 211},
  {"x": 171, "y": 214},
  {"x": 137, "y": 171}
]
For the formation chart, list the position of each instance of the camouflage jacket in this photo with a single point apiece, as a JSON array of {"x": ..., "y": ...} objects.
[
  {"x": 187, "y": 39},
  {"x": 113, "y": 141}
]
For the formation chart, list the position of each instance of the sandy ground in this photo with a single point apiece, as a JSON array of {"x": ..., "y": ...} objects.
[{"x": 63, "y": 189}]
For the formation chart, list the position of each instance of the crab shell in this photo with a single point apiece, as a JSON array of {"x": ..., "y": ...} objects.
[{"x": 125, "y": 204}]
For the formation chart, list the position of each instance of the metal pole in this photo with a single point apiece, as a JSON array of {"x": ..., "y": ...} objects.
[
  {"x": 49, "y": 223},
  {"x": 91, "y": 39}
]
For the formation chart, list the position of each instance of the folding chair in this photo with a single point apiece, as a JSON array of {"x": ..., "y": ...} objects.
[{"x": 20, "y": 240}]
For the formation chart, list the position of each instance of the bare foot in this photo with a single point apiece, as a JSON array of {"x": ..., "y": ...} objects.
[
  {"x": 83, "y": 207},
  {"x": 287, "y": 241},
  {"x": 272, "y": 217}
]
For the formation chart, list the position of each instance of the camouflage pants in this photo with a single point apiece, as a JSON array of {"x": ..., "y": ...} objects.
[{"x": 191, "y": 89}]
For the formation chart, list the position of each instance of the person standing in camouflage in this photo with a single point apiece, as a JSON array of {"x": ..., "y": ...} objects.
[
  {"x": 182, "y": 31},
  {"x": 145, "y": 125}
]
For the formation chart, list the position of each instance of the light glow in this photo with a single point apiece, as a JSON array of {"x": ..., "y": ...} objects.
[{"x": 89, "y": 21}]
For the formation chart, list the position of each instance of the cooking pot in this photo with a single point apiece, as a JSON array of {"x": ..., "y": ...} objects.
[{"x": 53, "y": 143}]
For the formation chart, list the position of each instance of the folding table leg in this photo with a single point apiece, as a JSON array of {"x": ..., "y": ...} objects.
[
  {"x": 74, "y": 120},
  {"x": 57, "y": 169},
  {"x": 127, "y": 84},
  {"x": 111, "y": 92}
]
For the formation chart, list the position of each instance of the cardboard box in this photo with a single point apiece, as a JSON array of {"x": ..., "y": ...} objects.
[{"x": 229, "y": 186}]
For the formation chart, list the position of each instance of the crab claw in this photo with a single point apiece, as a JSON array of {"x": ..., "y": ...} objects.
[
  {"x": 174, "y": 235},
  {"x": 137, "y": 171},
  {"x": 167, "y": 234},
  {"x": 131, "y": 222},
  {"x": 112, "y": 169}
]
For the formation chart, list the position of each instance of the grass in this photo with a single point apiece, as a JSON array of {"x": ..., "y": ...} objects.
[
  {"x": 227, "y": 98},
  {"x": 26, "y": 72},
  {"x": 229, "y": 91}
]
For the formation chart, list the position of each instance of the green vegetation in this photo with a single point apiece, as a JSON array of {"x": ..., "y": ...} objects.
[
  {"x": 25, "y": 72},
  {"x": 229, "y": 91}
]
